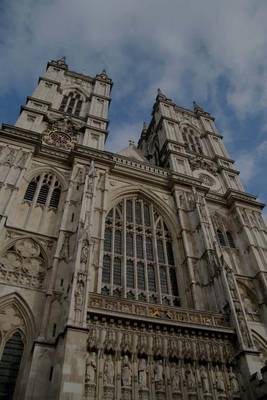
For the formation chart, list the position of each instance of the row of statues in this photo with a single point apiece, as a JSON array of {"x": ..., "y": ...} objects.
[{"x": 220, "y": 379}]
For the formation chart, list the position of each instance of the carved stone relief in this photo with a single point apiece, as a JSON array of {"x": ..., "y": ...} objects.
[
  {"x": 149, "y": 373},
  {"x": 23, "y": 263},
  {"x": 61, "y": 133}
]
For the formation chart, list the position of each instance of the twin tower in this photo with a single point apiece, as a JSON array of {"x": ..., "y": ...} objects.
[{"x": 138, "y": 275}]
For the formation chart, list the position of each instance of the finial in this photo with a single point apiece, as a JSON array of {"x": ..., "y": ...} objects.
[
  {"x": 197, "y": 107},
  {"x": 131, "y": 142},
  {"x": 159, "y": 92},
  {"x": 104, "y": 72},
  {"x": 144, "y": 126}
]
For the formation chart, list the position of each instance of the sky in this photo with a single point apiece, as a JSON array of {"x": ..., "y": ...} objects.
[{"x": 210, "y": 51}]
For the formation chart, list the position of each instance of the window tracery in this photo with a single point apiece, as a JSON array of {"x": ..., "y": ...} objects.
[
  {"x": 191, "y": 140},
  {"x": 45, "y": 190},
  {"x": 138, "y": 261},
  {"x": 225, "y": 238},
  {"x": 71, "y": 104}
]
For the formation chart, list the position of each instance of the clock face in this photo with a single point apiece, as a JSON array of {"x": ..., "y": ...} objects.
[{"x": 59, "y": 139}]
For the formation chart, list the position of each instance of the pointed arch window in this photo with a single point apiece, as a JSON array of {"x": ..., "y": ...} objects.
[
  {"x": 45, "y": 190},
  {"x": 230, "y": 239},
  {"x": 71, "y": 104},
  {"x": 138, "y": 260},
  {"x": 191, "y": 140},
  {"x": 9, "y": 365},
  {"x": 225, "y": 238}
]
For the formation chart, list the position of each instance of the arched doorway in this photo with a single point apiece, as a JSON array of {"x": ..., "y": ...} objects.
[{"x": 9, "y": 366}]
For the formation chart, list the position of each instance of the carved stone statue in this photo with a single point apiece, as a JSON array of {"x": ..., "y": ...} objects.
[
  {"x": 219, "y": 380},
  {"x": 204, "y": 379},
  {"x": 142, "y": 372},
  {"x": 234, "y": 385},
  {"x": 109, "y": 371},
  {"x": 176, "y": 378},
  {"x": 190, "y": 377},
  {"x": 126, "y": 372},
  {"x": 158, "y": 370},
  {"x": 90, "y": 373}
]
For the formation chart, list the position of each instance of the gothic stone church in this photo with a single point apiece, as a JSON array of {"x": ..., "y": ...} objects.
[{"x": 138, "y": 275}]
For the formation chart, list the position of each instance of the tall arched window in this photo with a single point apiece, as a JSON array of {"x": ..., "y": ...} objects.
[
  {"x": 71, "y": 104},
  {"x": 138, "y": 261},
  {"x": 191, "y": 140},
  {"x": 44, "y": 189},
  {"x": 9, "y": 366}
]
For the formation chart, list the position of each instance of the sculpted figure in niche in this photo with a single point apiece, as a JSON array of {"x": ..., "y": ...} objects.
[
  {"x": 142, "y": 373},
  {"x": 84, "y": 252},
  {"x": 90, "y": 373},
  {"x": 176, "y": 378},
  {"x": 109, "y": 371},
  {"x": 204, "y": 379},
  {"x": 126, "y": 372},
  {"x": 159, "y": 374},
  {"x": 219, "y": 380},
  {"x": 190, "y": 377},
  {"x": 234, "y": 385}
]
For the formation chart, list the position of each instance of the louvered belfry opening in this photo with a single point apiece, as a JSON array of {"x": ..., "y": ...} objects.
[
  {"x": 9, "y": 366},
  {"x": 71, "y": 104},
  {"x": 45, "y": 190},
  {"x": 138, "y": 261}
]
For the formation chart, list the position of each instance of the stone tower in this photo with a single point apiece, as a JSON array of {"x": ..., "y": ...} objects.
[{"x": 127, "y": 276}]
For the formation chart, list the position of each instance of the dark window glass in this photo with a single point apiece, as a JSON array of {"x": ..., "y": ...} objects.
[
  {"x": 63, "y": 103},
  {"x": 129, "y": 211},
  {"x": 42, "y": 196},
  {"x": 106, "y": 269},
  {"x": 70, "y": 106},
  {"x": 130, "y": 274},
  {"x": 230, "y": 239},
  {"x": 29, "y": 194},
  {"x": 140, "y": 276},
  {"x": 117, "y": 242},
  {"x": 149, "y": 249},
  {"x": 55, "y": 198},
  {"x": 9, "y": 366},
  {"x": 169, "y": 253},
  {"x": 78, "y": 108},
  {"x": 221, "y": 238},
  {"x": 138, "y": 215},
  {"x": 173, "y": 280},
  {"x": 151, "y": 278},
  {"x": 160, "y": 251},
  {"x": 108, "y": 240},
  {"x": 163, "y": 280},
  {"x": 129, "y": 244},
  {"x": 117, "y": 271},
  {"x": 139, "y": 246},
  {"x": 146, "y": 215}
]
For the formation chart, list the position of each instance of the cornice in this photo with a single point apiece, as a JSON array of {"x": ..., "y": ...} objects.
[
  {"x": 37, "y": 100},
  {"x": 43, "y": 78},
  {"x": 158, "y": 314},
  {"x": 208, "y": 133},
  {"x": 232, "y": 196},
  {"x": 20, "y": 134},
  {"x": 33, "y": 110}
]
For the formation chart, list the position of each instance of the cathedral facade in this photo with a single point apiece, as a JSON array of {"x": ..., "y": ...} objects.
[{"x": 138, "y": 275}]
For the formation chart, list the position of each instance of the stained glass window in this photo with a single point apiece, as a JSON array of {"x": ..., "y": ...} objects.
[{"x": 137, "y": 257}]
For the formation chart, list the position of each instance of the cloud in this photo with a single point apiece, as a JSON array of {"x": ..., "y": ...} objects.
[{"x": 159, "y": 43}]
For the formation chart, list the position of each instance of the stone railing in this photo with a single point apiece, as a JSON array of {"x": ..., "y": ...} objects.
[
  {"x": 21, "y": 278},
  {"x": 157, "y": 312}
]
